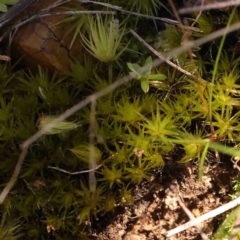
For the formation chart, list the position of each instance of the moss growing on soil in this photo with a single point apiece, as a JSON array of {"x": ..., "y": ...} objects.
[{"x": 127, "y": 136}]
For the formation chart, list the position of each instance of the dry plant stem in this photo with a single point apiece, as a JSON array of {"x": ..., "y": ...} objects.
[
  {"x": 45, "y": 14},
  {"x": 5, "y": 58},
  {"x": 217, "y": 5},
  {"x": 75, "y": 13},
  {"x": 100, "y": 3},
  {"x": 14, "y": 177},
  {"x": 160, "y": 55},
  {"x": 57, "y": 4},
  {"x": 235, "y": 229},
  {"x": 25, "y": 145},
  {"x": 75, "y": 173},
  {"x": 166, "y": 20},
  {"x": 190, "y": 215},
  {"x": 185, "y": 33},
  {"x": 92, "y": 135},
  {"x": 191, "y": 44},
  {"x": 175, "y": 11},
  {"x": 185, "y": 38},
  {"x": 171, "y": 87},
  {"x": 14, "y": 11},
  {"x": 205, "y": 217},
  {"x": 199, "y": 14},
  {"x": 11, "y": 37}
]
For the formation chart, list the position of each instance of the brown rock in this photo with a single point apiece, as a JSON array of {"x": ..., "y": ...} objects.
[{"x": 41, "y": 42}]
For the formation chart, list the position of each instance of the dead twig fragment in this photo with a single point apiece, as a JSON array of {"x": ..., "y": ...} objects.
[
  {"x": 191, "y": 216},
  {"x": 14, "y": 177},
  {"x": 165, "y": 20},
  {"x": 161, "y": 56},
  {"x": 75, "y": 173},
  {"x": 14, "y": 11},
  {"x": 5, "y": 58},
  {"x": 217, "y": 5},
  {"x": 74, "y": 13},
  {"x": 92, "y": 134},
  {"x": 205, "y": 217}
]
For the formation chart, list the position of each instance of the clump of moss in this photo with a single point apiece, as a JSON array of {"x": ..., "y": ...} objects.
[{"x": 135, "y": 128}]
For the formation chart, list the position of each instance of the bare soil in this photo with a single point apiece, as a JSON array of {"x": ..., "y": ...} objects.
[{"x": 156, "y": 209}]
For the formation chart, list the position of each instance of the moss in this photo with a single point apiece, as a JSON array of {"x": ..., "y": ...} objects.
[{"x": 133, "y": 132}]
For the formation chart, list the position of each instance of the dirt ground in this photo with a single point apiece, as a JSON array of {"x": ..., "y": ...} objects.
[{"x": 157, "y": 210}]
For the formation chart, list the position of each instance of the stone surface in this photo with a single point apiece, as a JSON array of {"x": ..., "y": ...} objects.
[{"x": 43, "y": 42}]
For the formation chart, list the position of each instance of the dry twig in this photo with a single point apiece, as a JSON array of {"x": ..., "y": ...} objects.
[
  {"x": 217, "y": 5},
  {"x": 191, "y": 216},
  {"x": 161, "y": 56},
  {"x": 165, "y": 20},
  {"x": 75, "y": 173},
  {"x": 205, "y": 217},
  {"x": 92, "y": 134}
]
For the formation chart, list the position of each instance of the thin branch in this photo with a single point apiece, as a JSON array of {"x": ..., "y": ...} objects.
[
  {"x": 191, "y": 44},
  {"x": 5, "y": 58},
  {"x": 75, "y": 173},
  {"x": 165, "y": 20},
  {"x": 205, "y": 217},
  {"x": 44, "y": 13},
  {"x": 14, "y": 177},
  {"x": 236, "y": 228},
  {"x": 92, "y": 135},
  {"x": 101, "y": 3},
  {"x": 199, "y": 14},
  {"x": 74, "y": 13},
  {"x": 191, "y": 216},
  {"x": 14, "y": 11},
  {"x": 217, "y": 5},
  {"x": 161, "y": 56},
  {"x": 57, "y": 4}
]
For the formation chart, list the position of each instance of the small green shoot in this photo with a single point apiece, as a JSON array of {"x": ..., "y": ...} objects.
[
  {"x": 4, "y": 3},
  {"x": 144, "y": 74}
]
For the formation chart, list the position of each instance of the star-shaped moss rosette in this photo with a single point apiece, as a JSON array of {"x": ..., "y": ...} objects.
[{"x": 105, "y": 37}]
